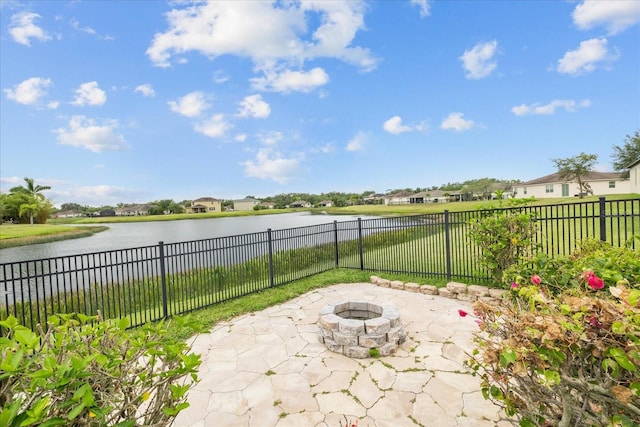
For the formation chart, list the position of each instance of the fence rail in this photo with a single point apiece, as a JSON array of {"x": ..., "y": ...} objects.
[{"x": 155, "y": 282}]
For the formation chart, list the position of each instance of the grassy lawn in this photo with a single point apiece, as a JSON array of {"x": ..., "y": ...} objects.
[
  {"x": 418, "y": 209},
  {"x": 25, "y": 234}
]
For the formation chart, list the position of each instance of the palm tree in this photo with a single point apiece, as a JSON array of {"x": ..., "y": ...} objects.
[
  {"x": 31, "y": 189},
  {"x": 36, "y": 196}
]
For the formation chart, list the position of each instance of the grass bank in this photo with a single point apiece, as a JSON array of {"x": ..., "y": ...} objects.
[
  {"x": 12, "y": 235},
  {"x": 169, "y": 217}
]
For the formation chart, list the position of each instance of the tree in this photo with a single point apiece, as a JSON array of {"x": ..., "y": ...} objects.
[
  {"x": 29, "y": 200},
  {"x": 626, "y": 154},
  {"x": 71, "y": 207},
  {"x": 577, "y": 168},
  {"x": 31, "y": 188}
]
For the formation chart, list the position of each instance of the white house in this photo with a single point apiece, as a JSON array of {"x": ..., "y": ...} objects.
[
  {"x": 246, "y": 204},
  {"x": 399, "y": 198},
  {"x": 601, "y": 183},
  {"x": 634, "y": 177},
  {"x": 301, "y": 204}
]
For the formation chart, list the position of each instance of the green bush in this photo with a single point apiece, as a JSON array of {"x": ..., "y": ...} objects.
[
  {"x": 82, "y": 371},
  {"x": 504, "y": 239},
  {"x": 565, "y": 348}
]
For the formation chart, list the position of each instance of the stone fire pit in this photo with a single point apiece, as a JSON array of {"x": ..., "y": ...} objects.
[{"x": 360, "y": 329}]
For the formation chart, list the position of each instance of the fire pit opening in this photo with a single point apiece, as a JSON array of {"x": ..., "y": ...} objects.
[{"x": 360, "y": 329}]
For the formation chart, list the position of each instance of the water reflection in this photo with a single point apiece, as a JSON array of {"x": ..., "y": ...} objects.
[{"x": 136, "y": 234}]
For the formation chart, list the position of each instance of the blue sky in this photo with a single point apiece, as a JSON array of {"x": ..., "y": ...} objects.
[{"x": 133, "y": 101}]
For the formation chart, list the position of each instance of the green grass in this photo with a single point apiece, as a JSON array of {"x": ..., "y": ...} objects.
[
  {"x": 428, "y": 208},
  {"x": 12, "y": 235},
  {"x": 169, "y": 217}
]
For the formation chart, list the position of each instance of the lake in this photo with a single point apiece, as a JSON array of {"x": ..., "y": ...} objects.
[{"x": 135, "y": 234}]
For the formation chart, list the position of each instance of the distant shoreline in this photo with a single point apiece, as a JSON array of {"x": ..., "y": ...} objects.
[{"x": 73, "y": 233}]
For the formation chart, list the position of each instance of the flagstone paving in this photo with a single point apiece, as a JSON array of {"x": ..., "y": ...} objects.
[{"x": 268, "y": 369}]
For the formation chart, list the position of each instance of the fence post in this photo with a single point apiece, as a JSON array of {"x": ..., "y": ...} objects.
[
  {"x": 271, "y": 280},
  {"x": 335, "y": 239},
  {"x": 447, "y": 234},
  {"x": 163, "y": 281},
  {"x": 360, "y": 243},
  {"x": 603, "y": 217}
]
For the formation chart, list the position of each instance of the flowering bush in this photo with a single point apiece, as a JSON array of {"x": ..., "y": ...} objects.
[
  {"x": 565, "y": 349},
  {"x": 610, "y": 264}
]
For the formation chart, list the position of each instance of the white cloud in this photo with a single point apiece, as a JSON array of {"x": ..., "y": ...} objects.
[
  {"x": 190, "y": 105},
  {"x": 479, "y": 61},
  {"x": 291, "y": 81},
  {"x": 241, "y": 137},
  {"x": 357, "y": 143},
  {"x": 423, "y": 5},
  {"x": 30, "y": 91},
  {"x": 456, "y": 122},
  {"x": 275, "y": 35},
  {"x": 585, "y": 58},
  {"x": 616, "y": 16},
  {"x": 254, "y": 106},
  {"x": 394, "y": 126},
  {"x": 53, "y": 105},
  {"x": 96, "y": 195},
  {"x": 601, "y": 167},
  {"x": 146, "y": 90},
  {"x": 23, "y": 28},
  {"x": 76, "y": 26},
  {"x": 327, "y": 148},
  {"x": 214, "y": 127},
  {"x": 86, "y": 133},
  {"x": 270, "y": 164},
  {"x": 219, "y": 76},
  {"x": 550, "y": 108},
  {"x": 90, "y": 94},
  {"x": 271, "y": 138}
]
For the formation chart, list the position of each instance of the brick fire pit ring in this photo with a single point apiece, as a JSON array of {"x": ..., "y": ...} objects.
[{"x": 360, "y": 329}]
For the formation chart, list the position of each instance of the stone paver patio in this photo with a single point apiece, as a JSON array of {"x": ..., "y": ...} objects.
[{"x": 268, "y": 369}]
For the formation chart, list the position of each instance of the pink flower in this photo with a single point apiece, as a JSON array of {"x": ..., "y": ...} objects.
[
  {"x": 535, "y": 279},
  {"x": 593, "y": 321},
  {"x": 595, "y": 282},
  {"x": 514, "y": 285},
  {"x": 462, "y": 313}
]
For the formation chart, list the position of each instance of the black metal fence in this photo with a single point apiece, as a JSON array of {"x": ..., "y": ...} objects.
[{"x": 154, "y": 282}]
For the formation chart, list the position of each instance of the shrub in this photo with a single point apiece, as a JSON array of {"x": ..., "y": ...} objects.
[
  {"x": 81, "y": 371},
  {"x": 565, "y": 349},
  {"x": 504, "y": 239},
  {"x": 612, "y": 264}
]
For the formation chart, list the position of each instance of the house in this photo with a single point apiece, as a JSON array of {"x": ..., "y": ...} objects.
[
  {"x": 373, "y": 199},
  {"x": 204, "y": 205},
  {"x": 246, "y": 204},
  {"x": 68, "y": 214},
  {"x": 300, "y": 204},
  {"x": 399, "y": 198},
  {"x": 267, "y": 205},
  {"x": 134, "y": 210},
  {"x": 634, "y": 177},
  {"x": 325, "y": 204},
  {"x": 432, "y": 196},
  {"x": 601, "y": 183}
]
